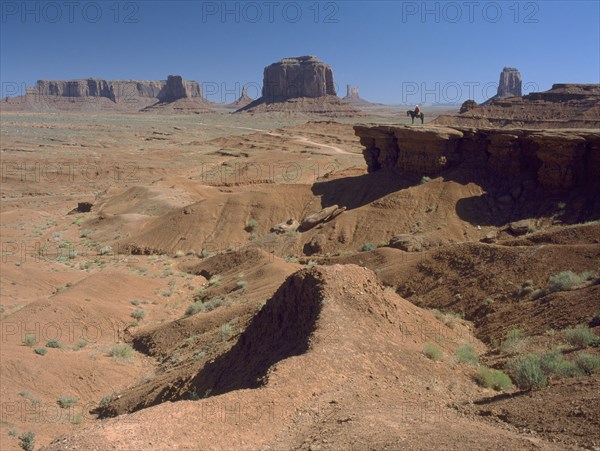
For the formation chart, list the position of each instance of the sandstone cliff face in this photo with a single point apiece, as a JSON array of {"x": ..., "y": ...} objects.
[
  {"x": 119, "y": 90},
  {"x": 510, "y": 83},
  {"x": 554, "y": 160},
  {"x": 290, "y": 78},
  {"x": 299, "y": 85}
]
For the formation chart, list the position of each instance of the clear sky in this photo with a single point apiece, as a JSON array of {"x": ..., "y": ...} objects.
[{"x": 395, "y": 52}]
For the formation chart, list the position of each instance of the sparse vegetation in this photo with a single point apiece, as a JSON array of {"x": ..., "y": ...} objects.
[
  {"x": 67, "y": 401},
  {"x": 122, "y": 352},
  {"x": 226, "y": 331},
  {"x": 491, "y": 378},
  {"x": 179, "y": 254},
  {"x": 425, "y": 179},
  {"x": 29, "y": 340},
  {"x": 528, "y": 372},
  {"x": 580, "y": 336},
  {"x": 215, "y": 280},
  {"x": 467, "y": 354},
  {"x": 138, "y": 314},
  {"x": 569, "y": 280},
  {"x": 514, "y": 341},
  {"x": 53, "y": 344},
  {"x": 587, "y": 363},
  {"x": 241, "y": 284},
  {"x": 204, "y": 307},
  {"x": 433, "y": 352},
  {"x": 27, "y": 441},
  {"x": 40, "y": 351},
  {"x": 368, "y": 247}
]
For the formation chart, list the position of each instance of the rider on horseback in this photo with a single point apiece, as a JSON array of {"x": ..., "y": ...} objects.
[{"x": 417, "y": 109}]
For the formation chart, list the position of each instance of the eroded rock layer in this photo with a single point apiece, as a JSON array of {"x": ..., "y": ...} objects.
[{"x": 554, "y": 159}]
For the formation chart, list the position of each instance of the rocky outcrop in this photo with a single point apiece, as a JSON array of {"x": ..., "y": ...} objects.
[
  {"x": 119, "y": 90},
  {"x": 563, "y": 106},
  {"x": 304, "y": 76},
  {"x": 177, "y": 88},
  {"x": 553, "y": 159},
  {"x": 301, "y": 84},
  {"x": 291, "y": 225},
  {"x": 467, "y": 105},
  {"x": 326, "y": 214},
  {"x": 243, "y": 100},
  {"x": 510, "y": 83}
]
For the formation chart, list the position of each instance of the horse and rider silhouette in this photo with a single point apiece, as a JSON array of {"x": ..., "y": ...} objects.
[{"x": 416, "y": 113}]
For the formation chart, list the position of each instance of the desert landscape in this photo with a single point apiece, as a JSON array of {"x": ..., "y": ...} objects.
[{"x": 300, "y": 270}]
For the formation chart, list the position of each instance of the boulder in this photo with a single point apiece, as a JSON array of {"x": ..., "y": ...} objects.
[
  {"x": 291, "y": 225},
  {"x": 490, "y": 237},
  {"x": 520, "y": 227},
  {"x": 308, "y": 222},
  {"x": 406, "y": 242}
]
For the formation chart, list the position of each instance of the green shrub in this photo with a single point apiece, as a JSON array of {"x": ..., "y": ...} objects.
[
  {"x": 67, "y": 401},
  {"x": 515, "y": 339},
  {"x": 27, "y": 441},
  {"x": 53, "y": 344},
  {"x": 138, "y": 314},
  {"x": 121, "y": 352},
  {"x": 528, "y": 373},
  {"x": 29, "y": 340},
  {"x": 491, "y": 378},
  {"x": 536, "y": 294},
  {"x": 215, "y": 280},
  {"x": 135, "y": 302},
  {"x": 368, "y": 247},
  {"x": 587, "y": 363},
  {"x": 467, "y": 354},
  {"x": 251, "y": 224},
  {"x": 433, "y": 352},
  {"x": 580, "y": 336},
  {"x": 204, "y": 307},
  {"x": 552, "y": 362},
  {"x": 564, "y": 281},
  {"x": 425, "y": 179},
  {"x": 40, "y": 351},
  {"x": 241, "y": 284},
  {"x": 226, "y": 331}
]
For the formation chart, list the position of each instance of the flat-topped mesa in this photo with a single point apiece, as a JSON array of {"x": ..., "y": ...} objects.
[
  {"x": 299, "y": 85},
  {"x": 553, "y": 159},
  {"x": 118, "y": 90},
  {"x": 510, "y": 84},
  {"x": 303, "y": 76}
]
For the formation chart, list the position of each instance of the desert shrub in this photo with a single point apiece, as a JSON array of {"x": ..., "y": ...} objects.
[
  {"x": 580, "y": 336},
  {"x": 27, "y": 441},
  {"x": 368, "y": 247},
  {"x": 564, "y": 281},
  {"x": 53, "y": 344},
  {"x": 134, "y": 302},
  {"x": 205, "y": 253},
  {"x": 433, "y": 352},
  {"x": 226, "y": 331},
  {"x": 67, "y": 401},
  {"x": 138, "y": 314},
  {"x": 467, "y": 354},
  {"x": 587, "y": 363},
  {"x": 491, "y": 378},
  {"x": 40, "y": 351},
  {"x": 515, "y": 339},
  {"x": 425, "y": 179},
  {"x": 528, "y": 373},
  {"x": 241, "y": 284},
  {"x": 121, "y": 352},
  {"x": 82, "y": 343},
  {"x": 29, "y": 340},
  {"x": 215, "y": 280},
  {"x": 105, "y": 250},
  {"x": 179, "y": 254},
  {"x": 207, "y": 306},
  {"x": 552, "y": 362},
  {"x": 105, "y": 401}
]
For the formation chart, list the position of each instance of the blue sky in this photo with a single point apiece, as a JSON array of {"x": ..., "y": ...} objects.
[{"x": 395, "y": 52}]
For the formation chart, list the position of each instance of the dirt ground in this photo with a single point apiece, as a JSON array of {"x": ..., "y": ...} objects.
[{"x": 286, "y": 348}]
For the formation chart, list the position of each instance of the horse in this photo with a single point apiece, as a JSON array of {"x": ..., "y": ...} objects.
[{"x": 412, "y": 115}]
